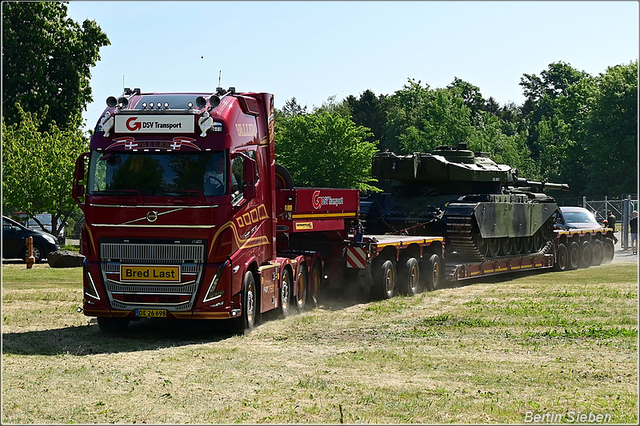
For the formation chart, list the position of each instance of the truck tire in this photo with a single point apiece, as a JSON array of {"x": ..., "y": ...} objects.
[
  {"x": 608, "y": 250},
  {"x": 283, "y": 178},
  {"x": 315, "y": 281},
  {"x": 384, "y": 280},
  {"x": 112, "y": 325},
  {"x": 574, "y": 256},
  {"x": 597, "y": 252},
  {"x": 409, "y": 276},
  {"x": 248, "y": 319},
  {"x": 434, "y": 272},
  {"x": 586, "y": 254},
  {"x": 562, "y": 258},
  {"x": 286, "y": 287},
  {"x": 302, "y": 284}
]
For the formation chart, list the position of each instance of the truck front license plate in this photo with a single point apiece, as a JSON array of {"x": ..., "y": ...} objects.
[{"x": 151, "y": 313}]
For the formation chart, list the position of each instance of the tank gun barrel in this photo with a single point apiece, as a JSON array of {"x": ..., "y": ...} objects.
[{"x": 521, "y": 182}]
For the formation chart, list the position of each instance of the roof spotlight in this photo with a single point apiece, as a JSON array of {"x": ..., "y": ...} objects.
[
  {"x": 123, "y": 102},
  {"x": 166, "y": 105}
]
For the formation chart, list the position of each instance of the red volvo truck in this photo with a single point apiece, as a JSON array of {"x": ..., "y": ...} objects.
[{"x": 187, "y": 216}]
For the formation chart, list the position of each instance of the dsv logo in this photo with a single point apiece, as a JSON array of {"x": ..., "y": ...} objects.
[{"x": 132, "y": 125}]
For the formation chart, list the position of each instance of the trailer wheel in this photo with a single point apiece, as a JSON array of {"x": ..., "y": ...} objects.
[
  {"x": 302, "y": 282},
  {"x": 112, "y": 325},
  {"x": 597, "y": 252},
  {"x": 608, "y": 250},
  {"x": 247, "y": 321},
  {"x": 562, "y": 258},
  {"x": 315, "y": 281},
  {"x": 409, "y": 276},
  {"x": 586, "y": 254},
  {"x": 574, "y": 256},
  {"x": 384, "y": 280},
  {"x": 434, "y": 272},
  {"x": 285, "y": 293}
]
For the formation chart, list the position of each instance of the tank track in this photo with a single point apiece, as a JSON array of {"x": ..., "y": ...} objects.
[{"x": 463, "y": 239}]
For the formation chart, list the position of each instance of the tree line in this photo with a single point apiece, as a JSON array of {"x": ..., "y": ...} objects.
[{"x": 572, "y": 128}]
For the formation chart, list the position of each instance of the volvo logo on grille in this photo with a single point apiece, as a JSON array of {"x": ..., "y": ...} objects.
[{"x": 152, "y": 216}]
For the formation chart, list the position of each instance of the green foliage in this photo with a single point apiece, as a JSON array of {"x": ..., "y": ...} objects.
[
  {"x": 325, "y": 149},
  {"x": 37, "y": 167},
  {"x": 46, "y": 61}
]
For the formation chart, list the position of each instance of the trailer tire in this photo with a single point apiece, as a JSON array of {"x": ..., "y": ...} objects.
[
  {"x": 302, "y": 284},
  {"x": 315, "y": 281},
  {"x": 586, "y": 254},
  {"x": 574, "y": 256},
  {"x": 562, "y": 258},
  {"x": 409, "y": 276},
  {"x": 248, "y": 319},
  {"x": 285, "y": 293},
  {"x": 608, "y": 250},
  {"x": 384, "y": 279},
  {"x": 112, "y": 325},
  {"x": 434, "y": 272},
  {"x": 597, "y": 252}
]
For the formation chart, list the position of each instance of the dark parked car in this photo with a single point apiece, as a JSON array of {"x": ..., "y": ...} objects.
[
  {"x": 14, "y": 238},
  {"x": 577, "y": 218}
]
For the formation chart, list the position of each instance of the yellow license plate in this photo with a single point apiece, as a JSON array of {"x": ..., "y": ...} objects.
[
  {"x": 134, "y": 273},
  {"x": 151, "y": 313}
]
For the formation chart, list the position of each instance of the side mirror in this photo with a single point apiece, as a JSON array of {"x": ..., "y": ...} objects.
[
  {"x": 78, "y": 192},
  {"x": 250, "y": 178}
]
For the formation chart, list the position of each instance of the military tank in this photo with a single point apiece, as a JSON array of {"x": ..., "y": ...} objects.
[{"x": 483, "y": 209}]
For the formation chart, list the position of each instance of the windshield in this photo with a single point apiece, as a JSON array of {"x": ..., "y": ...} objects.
[
  {"x": 172, "y": 174},
  {"x": 579, "y": 217}
]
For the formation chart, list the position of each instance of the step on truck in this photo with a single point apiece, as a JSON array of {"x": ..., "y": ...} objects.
[{"x": 187, "y": 216}]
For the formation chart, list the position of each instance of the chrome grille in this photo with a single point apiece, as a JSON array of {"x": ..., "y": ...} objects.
[{"x": 152, "y": 253}]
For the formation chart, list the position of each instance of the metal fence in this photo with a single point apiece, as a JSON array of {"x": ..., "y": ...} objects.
[{"x": 622, "y": 210}]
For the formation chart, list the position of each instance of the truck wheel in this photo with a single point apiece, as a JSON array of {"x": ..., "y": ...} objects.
[
  {"x": 409, "y": 276},
  {"x": 384, "y": 280},
  {"x": 585, "y": 254},
  {"x": 574, "y": 256},
  {"x": 562, "y": 258},
  {"x": 247, "y": 321},
  {"x": 285, "y": 293},
  {"x": 301, "y": 287},
  {"x": 607, "y": 250},
  {"x": 597, "y": 251},
  {"x": 112, "y": 325},
  {"x": 315, "y": 281},
  {"x": 434, "y": 272}
]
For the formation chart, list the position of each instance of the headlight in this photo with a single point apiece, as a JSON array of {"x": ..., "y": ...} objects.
[{"x": 50, "y": 238}]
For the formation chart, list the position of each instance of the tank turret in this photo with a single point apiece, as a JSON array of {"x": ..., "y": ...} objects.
[{"x": 482, "y": 208}]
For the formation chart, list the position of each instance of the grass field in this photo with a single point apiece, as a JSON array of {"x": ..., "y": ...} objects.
[{"x": 554, "y": 344}]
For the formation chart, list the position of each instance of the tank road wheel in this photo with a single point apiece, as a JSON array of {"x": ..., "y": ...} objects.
[
  {"x": 248, "y": 320},
  {"x": 586, "y": 254},
  {"x": 482, "y": 245},
  {"x": 528, "y": 245},
  {"x": 434, "y": 272},
  {"x": 315, "y": 281},
  {"x": 494, "y": 247},
  {"x": 574, "y": 256},
  {"x": 506, "y": 246},
  {"x": 384, "y": 279},
  {"x": 562, "y": 258},
  {"x": 302, "y": 282},
  {"x": 608, "y": 250},
  {"x": 112, "y": 325},
  {"x": 538, "y": 241},
  {"x": 597, "y": 252},
  {"x": 519, "y": 246},
  {"x": 285, "y": 293},
  {"x": 409, "y": 276}
]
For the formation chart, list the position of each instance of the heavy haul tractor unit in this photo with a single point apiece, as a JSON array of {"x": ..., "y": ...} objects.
[
  {"x": 187, "y": 216},
  {"x": 483, "y": 209}
]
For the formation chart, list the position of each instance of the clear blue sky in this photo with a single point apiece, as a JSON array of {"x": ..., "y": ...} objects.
[{"x": 314, "y": 50}]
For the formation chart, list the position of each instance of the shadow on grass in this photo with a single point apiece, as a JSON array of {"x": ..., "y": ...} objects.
[{"x": 147, "y": 334}]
